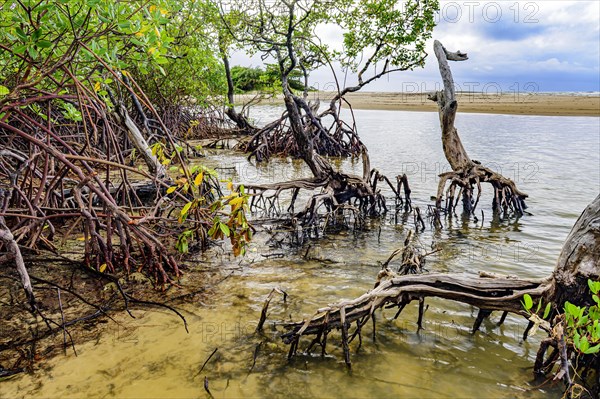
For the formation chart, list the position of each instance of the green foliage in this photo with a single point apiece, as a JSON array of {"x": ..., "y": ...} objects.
[
  {"x": 583, "y": 323},
  {"x": 167, "y": 46},
  {"x": 183, "y": 240},
  {"x": 122, "y": 34},
  {"x": 527, "y": 302},
  {"x": 399, "y": 29},
  {"x": 227, "y": 223},
  {"x": 534, "y": 317},
  {"x": 247, "y": 79},
  {"x": 392, "y": 31},
  {"x": 236, "y": 226},
  {"x": 190, "y": 71}
]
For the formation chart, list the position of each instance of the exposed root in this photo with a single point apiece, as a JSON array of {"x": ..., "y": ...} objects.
[
  {"x": 497, "y": 293},
  {"x": 277, "y": 138},
  {"x": 339, "y": 200},
  {"x": 507, "y": 198}
]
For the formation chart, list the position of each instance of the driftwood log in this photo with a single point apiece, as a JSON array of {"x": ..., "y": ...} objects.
[
  {"x": 579, "y": 261},
  {"x": 466, "y": 173}
]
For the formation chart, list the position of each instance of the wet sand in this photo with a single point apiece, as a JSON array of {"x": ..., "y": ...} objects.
[{"x": 509, "y": 103}]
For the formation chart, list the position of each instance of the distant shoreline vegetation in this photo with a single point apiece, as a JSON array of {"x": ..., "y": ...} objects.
[{"x": 256, "y": 79}]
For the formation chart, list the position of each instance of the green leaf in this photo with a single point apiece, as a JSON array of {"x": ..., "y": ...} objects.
[
  {"x": 137, "y": 42},
  {"x": 571, "y": 309},
  {"x": 584, "y": 344},
  {"x": 594, "y": 286},
  {"x": 527, "y": 302},
  {"x": 171, "y": 189},
  {"x": 43, "y": 43},
  {"x": 32, "y": 52},
  {"x": 186, "y": 208},
  {"x": 582, "y": 321},
  {"x": 547, "y": 310},
  {"x": 4, "y": 90},
  {"x": 21, "y": 34},
  {"x": 19, "y": 49},
  {"x": 225, "y": 229},
  {"x": 593, "y": 349},
  {"x": 182, "y": 242},
  {"x": 104, "y": 19},
  {"x": 36, "y": 35}
]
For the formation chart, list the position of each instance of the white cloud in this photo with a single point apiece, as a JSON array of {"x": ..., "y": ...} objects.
[{"x": 527, "y": 41}]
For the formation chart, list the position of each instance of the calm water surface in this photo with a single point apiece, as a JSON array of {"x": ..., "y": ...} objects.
[{"x": 553, "y": 159}]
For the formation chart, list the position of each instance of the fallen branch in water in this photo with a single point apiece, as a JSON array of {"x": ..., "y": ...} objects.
[{"x": 483, "y": 292}]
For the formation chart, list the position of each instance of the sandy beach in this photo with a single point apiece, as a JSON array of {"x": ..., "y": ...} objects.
[{"x": 507, "y": 103}]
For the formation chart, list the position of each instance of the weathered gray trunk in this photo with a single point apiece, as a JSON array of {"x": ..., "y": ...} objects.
[
  {"x": 453, "y": 148},
  {"x": 7, "y": 238},
  {"x": 579, "y": 259},
  {"x": 466, "y": 173},
  {"x": 139, "y": 142}
]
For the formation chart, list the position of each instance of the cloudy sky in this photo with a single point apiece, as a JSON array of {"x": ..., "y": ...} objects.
[{"x": 524, "y": 46}]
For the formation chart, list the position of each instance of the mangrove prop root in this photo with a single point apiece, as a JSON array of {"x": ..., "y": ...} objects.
[
  {"x": 337, "y": 199},
  {"x": 63, "y": 177}
]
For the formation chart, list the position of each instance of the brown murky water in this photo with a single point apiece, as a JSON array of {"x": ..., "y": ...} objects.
[{"x": 554, "y": 159}]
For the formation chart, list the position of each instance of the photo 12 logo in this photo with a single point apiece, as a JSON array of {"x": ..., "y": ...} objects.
[
  {"x": 519, "y": 172},
  {"x": 474, "y": 92},
  {"x": 488, "y": 11}
]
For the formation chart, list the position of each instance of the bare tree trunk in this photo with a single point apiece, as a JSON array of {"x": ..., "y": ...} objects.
[
  {"x": 240, "y": 120},
  {"x": 579, "y": 259},
  {"x": 14, "y": 253},
  {"x": 466, "y": 173},
  {"x": 453, "y": 148},
  {"x": 319, "y": 167},
  {"x": 140, "y": 143}
]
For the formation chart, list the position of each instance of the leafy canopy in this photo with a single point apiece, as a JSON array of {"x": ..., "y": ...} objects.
[{"x": 370, "y": 31}]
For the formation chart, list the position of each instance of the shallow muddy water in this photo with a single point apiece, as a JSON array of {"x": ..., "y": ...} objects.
[{"x": 553, "y": 159}]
